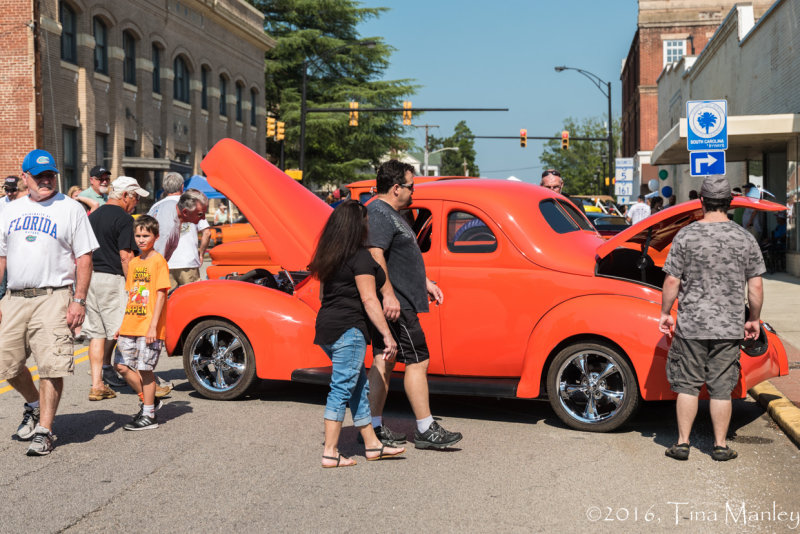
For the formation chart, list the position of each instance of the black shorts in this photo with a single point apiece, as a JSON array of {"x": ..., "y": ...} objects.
[{"x": 407, "y": 332}]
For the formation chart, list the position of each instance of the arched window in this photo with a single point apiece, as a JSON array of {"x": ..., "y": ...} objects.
[
  {"x": 180, "y": 84},
  {"x": 100, "y": 31},
  {"x": 204, "y": 73},
  {"x": 69, "y": 29},
  {"x": 239, "y": 91},
  {"x": 223, "y": 95},
  {"x": 156, "y": 58},
  {"x": 129, "y": 62},
  {"x": 253, "y": 100}
]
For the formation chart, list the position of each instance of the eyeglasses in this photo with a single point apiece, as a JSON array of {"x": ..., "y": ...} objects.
[
  {"x": 553, "y": 187},
  {"x": 551, "y": 171},
  {"x": 46, "y": 174},
  {"x": 10, "y": 189},
  {"x": 410, "y": 187},
  {"x": 102, "y": 178}
]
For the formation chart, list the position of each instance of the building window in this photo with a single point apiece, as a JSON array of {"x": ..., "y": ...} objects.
[
  {"x": 204, "y": 86},
  {"x": 674, "y": 50},
  {"x": 180, "y": 83},
  {"x": 253, "y": 107},
  {"x": 156, "y": 69},
  {"x": 130, "y": 148},
  {"x": 129, "y": 63},
  {"x": 102, "y": 154},
  {"x": 69, "y": 171},
  {"x": 223, "y": 96},
  {"x": 69, "y": 24},
  {"x": 239, "y": 91},
  {"x": 100, "y": 46}
]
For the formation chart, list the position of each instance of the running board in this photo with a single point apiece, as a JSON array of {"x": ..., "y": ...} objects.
[{"x": 441, "y": 385}]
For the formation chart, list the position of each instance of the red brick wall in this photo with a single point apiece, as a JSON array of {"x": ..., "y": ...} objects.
[{"x": 17, "y": 127}]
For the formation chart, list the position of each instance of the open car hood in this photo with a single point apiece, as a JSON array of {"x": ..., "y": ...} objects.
[
  {"x": 666, "y": 223},
  {"x": 288, "y": 217}
]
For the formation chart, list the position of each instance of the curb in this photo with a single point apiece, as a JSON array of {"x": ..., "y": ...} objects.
[{"x": 781, "y": 409}]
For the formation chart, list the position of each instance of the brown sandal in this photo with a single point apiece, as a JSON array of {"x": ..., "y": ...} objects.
[
  {"x": 338, "y": 461},
  {"x": 382, "y": 455}
]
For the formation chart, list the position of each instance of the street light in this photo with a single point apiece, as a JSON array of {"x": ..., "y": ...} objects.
[
  {"x": 306, "y": 63},
  {"x": 600, "y": 83},
  {"x": 425, "y": 164}
]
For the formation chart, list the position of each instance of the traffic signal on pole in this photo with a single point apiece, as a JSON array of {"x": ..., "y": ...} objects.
[
  {"x": 407, "y": 113},
  {"x": 607, "y": 181},
  {"x": 564, "y": 140},
  {"x": 271, "y": 126},
  {"x": 353, "y": 113},
  {"x": 523, "y": 138},
  {"x": 280, "y": 132}
]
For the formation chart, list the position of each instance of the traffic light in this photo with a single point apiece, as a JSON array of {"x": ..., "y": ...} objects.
[
  {"x": 271, "y": 126},
  {"x": 280, "y": 135},
  {"x": 407, "y": 113},
  {"x": 523, "y": 138},
  {"x": 607, "y": 181},
  {"x": 564, "y": 140},
  {"x": 353, "y": 113}
]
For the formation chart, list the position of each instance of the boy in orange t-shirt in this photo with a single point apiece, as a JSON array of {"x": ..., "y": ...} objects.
[{"x": 141, "y": 336}]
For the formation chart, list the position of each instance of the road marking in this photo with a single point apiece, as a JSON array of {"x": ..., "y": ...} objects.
[{"x": 6, "y": 389}]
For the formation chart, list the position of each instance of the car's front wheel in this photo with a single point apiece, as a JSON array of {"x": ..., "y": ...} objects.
[
  {"x": 218, "y": 360},
  {"x": 592, "y": 387}
]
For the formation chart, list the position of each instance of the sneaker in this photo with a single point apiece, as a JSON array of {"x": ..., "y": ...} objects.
[
  {"x": 42, "y": 443},
  {"x": 163, "y": 391},
  {"x": 156, "y": 406},
  {"x": 387, "y": 436},
  {"x": 142, "y": 422},
  {"x": 436, "y": 437},
  {"x": 30, "y": 418},
  {"x": 112, "y": 378},
  {"x": 101, "y": 393}
]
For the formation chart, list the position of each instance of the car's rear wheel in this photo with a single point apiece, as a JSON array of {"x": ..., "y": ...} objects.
[
  {"x": 592, "y": 387},
  {"x": 218, "y": 360}
]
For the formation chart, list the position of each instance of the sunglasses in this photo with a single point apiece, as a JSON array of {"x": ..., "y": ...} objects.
[
  {"x": 410, "y": 187},
  {"x": 551, "y": 171},
  {"x": 46, "y": 174},
  {"x": 10, "y": 189}
]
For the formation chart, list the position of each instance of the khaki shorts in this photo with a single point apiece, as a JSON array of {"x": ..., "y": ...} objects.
[
  {"x": 713, "y": 362},
  {"x": 105, "y": 306},
  {"x": 37, "y": 327},
  {"x": 181, "y": 277}
]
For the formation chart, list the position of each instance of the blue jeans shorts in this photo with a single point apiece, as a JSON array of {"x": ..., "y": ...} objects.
[{"x": 349, "y": 378}]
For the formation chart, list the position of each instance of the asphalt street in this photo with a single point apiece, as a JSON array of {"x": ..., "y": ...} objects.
[{"x": 253, "y": 465}]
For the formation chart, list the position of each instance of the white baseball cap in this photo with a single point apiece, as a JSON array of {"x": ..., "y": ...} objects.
[{"x": 126, "y": 183}]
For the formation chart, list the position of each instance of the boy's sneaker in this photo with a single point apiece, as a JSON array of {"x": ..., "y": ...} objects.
[
  {"x": 156, "y": 406},
  {"x": 42, "y": 443},
  {"x": 436, "y": 437},
  {"x": 142, "y": 422},
  {"x": 112, "y": 378},
  {"x": 101, "y": 393},
  {"x": 30, "y": 418}
]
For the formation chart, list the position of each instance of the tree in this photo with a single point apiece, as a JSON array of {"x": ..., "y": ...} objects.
[
  {"x": 452, "y": 161},
  {"x": 581, "y": 165},
  {"x": 339, "y": 71}
]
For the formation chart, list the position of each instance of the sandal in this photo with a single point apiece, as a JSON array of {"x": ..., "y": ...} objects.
[
  {"x": 338, "y": 461},
  {"x": 679, "y": 451},
  {"x": 382, "y": 455},
  {"x": 723, "y": 454}
]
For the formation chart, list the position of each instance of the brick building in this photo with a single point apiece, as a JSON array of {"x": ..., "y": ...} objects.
[
  {"x": 141, "y": 86},
  {"x": 667, "y": 30}
]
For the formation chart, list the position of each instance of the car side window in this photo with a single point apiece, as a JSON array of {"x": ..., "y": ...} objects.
[
  {"x": 421, "y": 222},
  {"x": 556, "y": 217},
  {"x": 468, "y": 233},
  {"x": 576, "y": 215}
]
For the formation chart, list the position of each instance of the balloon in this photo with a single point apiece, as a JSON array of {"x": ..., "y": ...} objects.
[
  {"x": 653, "y": 184},
  {"x": 666, "y": 191}
]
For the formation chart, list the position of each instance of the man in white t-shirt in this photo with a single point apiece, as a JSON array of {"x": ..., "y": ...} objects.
[
  {"x": 185, "y": 263},
  {"x": 46, "y": 244},
  {"x": 174, "y": 210},
  {"x": 639, "y": 211}
]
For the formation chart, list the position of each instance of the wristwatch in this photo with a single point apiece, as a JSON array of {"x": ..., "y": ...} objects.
[{"x": 82, "y": 302}]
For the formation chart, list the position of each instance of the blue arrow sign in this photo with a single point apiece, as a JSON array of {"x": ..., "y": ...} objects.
[
  {"x": 707, "y": 125},
  {"x": 707, "y": 163}
]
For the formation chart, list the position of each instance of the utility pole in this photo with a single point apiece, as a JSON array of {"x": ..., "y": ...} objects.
[{"x": 425, "y": 163}]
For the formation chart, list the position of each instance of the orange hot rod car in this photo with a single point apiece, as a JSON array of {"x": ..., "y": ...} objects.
[{"x": 536, "y": 304}]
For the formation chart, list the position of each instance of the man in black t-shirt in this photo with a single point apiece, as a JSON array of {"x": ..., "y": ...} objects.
[
  {"x": 393, "y": 245},
  {"x": 105, "y": 302}
]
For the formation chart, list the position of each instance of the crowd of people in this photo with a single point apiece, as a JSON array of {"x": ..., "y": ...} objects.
[{"x": 105, "y": 273}]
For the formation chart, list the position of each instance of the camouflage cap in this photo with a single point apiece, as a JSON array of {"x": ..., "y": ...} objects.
[{"x": 715, "y": 187}]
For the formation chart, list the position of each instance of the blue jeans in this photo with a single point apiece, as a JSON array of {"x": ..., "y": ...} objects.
[{"x": 349, "y": 378}]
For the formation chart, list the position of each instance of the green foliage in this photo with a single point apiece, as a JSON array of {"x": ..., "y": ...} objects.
[
  {"x": 581, "y": 165},
  {"x": 452, "y": 161},
  {"x": 325, "y": 32}
]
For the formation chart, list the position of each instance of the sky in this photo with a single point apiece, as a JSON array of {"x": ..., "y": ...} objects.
[{"x": 502, "y": 54}]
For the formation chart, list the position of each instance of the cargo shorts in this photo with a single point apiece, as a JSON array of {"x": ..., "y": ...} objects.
[{"x": 713, "y": 362}]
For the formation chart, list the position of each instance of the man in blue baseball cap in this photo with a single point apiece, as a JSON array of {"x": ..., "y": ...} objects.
[{"x": 46, "y": 244}]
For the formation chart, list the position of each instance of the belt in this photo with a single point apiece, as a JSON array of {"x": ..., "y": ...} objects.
[{"x": 31, "y": 292}]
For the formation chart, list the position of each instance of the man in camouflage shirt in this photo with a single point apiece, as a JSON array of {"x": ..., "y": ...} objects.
[{"x": 708, "y": 267}]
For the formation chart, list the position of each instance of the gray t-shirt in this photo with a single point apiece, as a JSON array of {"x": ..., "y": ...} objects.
[
  {"x": 169, "y": 226},
  {"x": 713, "y": 262},
  {"x": 389, "y": 230}
]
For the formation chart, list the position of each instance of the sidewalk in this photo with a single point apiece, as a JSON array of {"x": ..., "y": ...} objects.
[{"x": 781, "y": 395}]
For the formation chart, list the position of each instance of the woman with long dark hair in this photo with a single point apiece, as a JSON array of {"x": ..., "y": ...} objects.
[{"x": 350, "y": 278}]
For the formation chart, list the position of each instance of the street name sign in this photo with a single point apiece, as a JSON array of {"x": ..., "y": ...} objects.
[
  {"x": 707, "y": 125},
  {"x": 707, "y": 163}
]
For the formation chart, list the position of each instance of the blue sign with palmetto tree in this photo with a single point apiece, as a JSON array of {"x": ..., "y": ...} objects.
[{"x": 707, "y": 125}]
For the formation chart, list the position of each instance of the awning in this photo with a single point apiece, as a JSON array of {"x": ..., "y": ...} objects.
[
  {"x": 150, "y": 164},
  {"x": 749, "y": 136}
]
